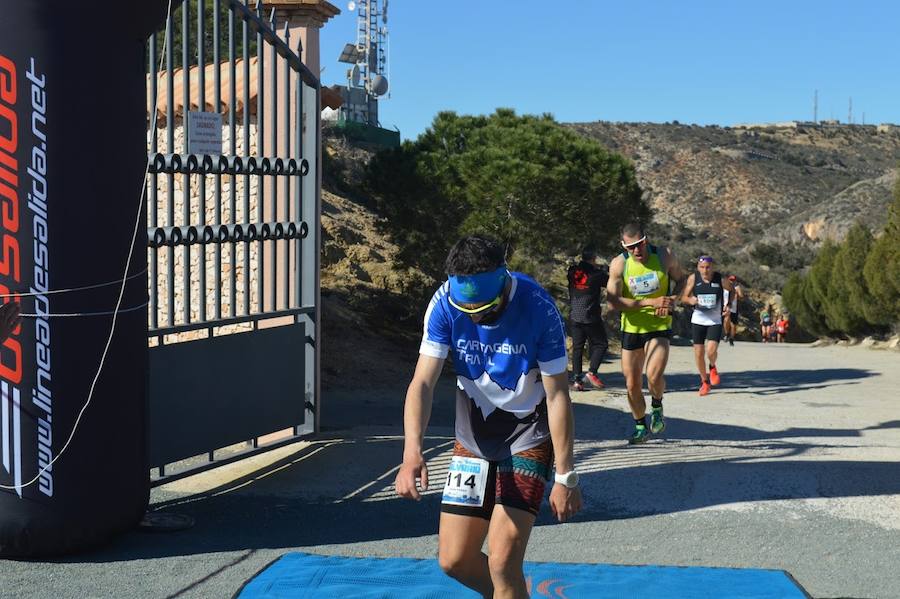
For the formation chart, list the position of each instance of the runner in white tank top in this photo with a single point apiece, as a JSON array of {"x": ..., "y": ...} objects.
[{"x": 704, "y": 290}]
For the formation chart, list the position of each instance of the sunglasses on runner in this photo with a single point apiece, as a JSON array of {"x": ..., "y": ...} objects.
[
  {"x": 632, "y": 246},
  {"x": 480, "y": 309}
]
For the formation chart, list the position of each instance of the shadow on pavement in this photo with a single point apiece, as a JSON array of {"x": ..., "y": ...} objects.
[
  {"x": 279, "y": 507},
  {"x": 338, "y": 491},
  {"x": 766, "y": 382}
]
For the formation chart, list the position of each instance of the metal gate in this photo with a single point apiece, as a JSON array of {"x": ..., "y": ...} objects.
[{"x": 233, "y": 237}]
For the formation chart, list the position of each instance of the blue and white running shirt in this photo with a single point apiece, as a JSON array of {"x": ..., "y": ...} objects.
[{"x": 500, "y": 405}]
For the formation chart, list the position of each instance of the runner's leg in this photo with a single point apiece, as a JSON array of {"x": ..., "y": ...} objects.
[
  {"x": 698, "y": 339},
  {"x": 632, "y": 368},
  {"x": 700, "y": 360},
  {"x": 657, "y": 357},
  {"x": 578, "y": 338},
  {"x": 460, "y": 539},
  {"x": 507, "y": 539},
  {"x": 712, "y": 352},
  {"x": 598, "y": 344}
]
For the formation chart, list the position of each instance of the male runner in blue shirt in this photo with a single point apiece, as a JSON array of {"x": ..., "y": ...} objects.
[{"x": 513, "y": 416}]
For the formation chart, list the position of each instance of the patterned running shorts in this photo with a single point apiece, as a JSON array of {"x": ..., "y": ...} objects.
[{"x": 518, "y": 481}]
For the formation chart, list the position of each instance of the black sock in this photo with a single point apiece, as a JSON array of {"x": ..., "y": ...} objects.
[
  {"x": 656, "y": 403},
  {"x": 641, "y": 421}
]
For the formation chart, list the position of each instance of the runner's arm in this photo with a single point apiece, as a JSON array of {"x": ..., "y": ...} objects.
[
  {"x": 416, "y": 413},
  {"x": 564, "y": 502},
  {"x": 561, "y": 419},
  {"x": 686, "y": 296},
  {"x": 674, "y": 270}
]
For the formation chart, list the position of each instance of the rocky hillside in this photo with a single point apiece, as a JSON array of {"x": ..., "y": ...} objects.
[
  {"x": 725, "y": 190},
  {"x": 740, "y": 186}
]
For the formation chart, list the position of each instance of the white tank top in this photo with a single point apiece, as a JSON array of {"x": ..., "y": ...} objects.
[
  {"x": 708, "y": 311},
  {"x": 732, "y": 305}
]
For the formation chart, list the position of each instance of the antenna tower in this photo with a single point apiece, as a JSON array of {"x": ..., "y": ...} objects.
[
  {"x": 816, "y": 107},
  {"x": 367, "y": 77}
]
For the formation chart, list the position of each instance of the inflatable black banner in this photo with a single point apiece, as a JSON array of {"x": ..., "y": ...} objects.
[{"x": 72, "y": 157}]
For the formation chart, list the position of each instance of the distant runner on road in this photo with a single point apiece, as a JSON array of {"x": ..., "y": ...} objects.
[
  {"x": 513, "y": 416},
  {"x": 705, "y": 291},
  {"x": 765, "y": 323},
  {"x": 639, "y": 287},
  {"x": 586, "y": 284},
  {"x": 731, "y": 316},
  {"x": 781, "y": 328}
]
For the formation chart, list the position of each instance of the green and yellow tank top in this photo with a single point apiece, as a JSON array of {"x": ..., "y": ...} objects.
[{"x": 642, "y": 281}]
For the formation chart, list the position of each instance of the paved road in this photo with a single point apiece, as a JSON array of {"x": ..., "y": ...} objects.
[{"x": 793, "y": 464}]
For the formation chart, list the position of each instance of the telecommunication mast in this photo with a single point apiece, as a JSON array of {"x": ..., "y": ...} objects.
[{"x": 367, "y": 79}]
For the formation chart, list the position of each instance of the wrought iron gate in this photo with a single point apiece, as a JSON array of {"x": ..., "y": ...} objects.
[{"x": 233, "y": 236}]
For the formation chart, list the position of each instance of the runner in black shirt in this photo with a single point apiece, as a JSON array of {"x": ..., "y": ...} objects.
[{"x": 586, "y": 283}]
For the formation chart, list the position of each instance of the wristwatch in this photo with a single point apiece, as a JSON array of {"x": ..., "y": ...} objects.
[{"x": 569, "y": 479}]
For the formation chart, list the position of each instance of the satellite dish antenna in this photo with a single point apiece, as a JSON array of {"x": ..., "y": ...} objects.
[
  {"x": 379, "y": 85},
  {"x": 354, "y": 75},
  {"x": 351, "y": 6}
]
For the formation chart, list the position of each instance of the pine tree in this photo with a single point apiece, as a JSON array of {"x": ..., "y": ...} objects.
[
  {"x": 796, "y": 296},
  {"x": 882, "y": 268},
  {"x": 524, "y": 180},
  {"x": 850, "y": 298},
  {"x": 820, "y": 293}
]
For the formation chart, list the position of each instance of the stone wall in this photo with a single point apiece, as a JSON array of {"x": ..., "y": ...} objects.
[{"x": 232, "y": 256}]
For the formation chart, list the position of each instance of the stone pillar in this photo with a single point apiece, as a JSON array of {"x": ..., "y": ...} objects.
[{"x": 304, "y": 18}]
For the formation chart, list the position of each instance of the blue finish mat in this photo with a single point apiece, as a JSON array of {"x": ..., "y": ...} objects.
[{"x": 302, "y": 575}]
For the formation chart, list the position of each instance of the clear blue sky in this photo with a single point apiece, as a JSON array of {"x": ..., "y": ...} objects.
[{"x": 704, "y": 62}]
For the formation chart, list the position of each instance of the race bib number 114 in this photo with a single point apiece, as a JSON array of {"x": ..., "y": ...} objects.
[{"x": 466, "y": 481}]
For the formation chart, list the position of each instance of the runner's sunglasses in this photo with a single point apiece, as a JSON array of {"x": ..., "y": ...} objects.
[
  {"x": 636, "y": 244},
  {"x": 491, "y": 304}
]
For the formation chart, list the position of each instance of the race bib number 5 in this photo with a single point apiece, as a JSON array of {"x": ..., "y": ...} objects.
[
  {"x": 466, "y": 481},
  {"x": 644, "y": 284}
]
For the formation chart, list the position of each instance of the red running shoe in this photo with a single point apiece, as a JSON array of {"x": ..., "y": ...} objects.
[
  {"x": 704, "y": 388},
  {"x": 594, "y": 380},
  {"x": 714, "y": 376}
]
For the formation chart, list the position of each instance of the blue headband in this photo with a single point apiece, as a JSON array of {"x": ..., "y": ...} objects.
[{"x": 478, "y": 288}]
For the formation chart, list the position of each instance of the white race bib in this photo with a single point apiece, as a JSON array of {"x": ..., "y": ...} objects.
[
  {"x": 644, "y": 284},
  {"x": 706, "y": 301},
  {"x": 466, "y": 481}
]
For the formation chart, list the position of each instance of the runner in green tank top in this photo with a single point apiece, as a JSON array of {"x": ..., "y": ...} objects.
[{"x": 641, "y": 286}]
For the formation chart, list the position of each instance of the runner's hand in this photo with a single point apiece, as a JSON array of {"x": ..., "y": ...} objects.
[
  {"x": 663, "y": 301},
  {"x": 663, "y": 305},
  {"x": 565, "y": 502},
  {"x": 9, "y": 319},
  {"x": 410, "y": 470}
]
